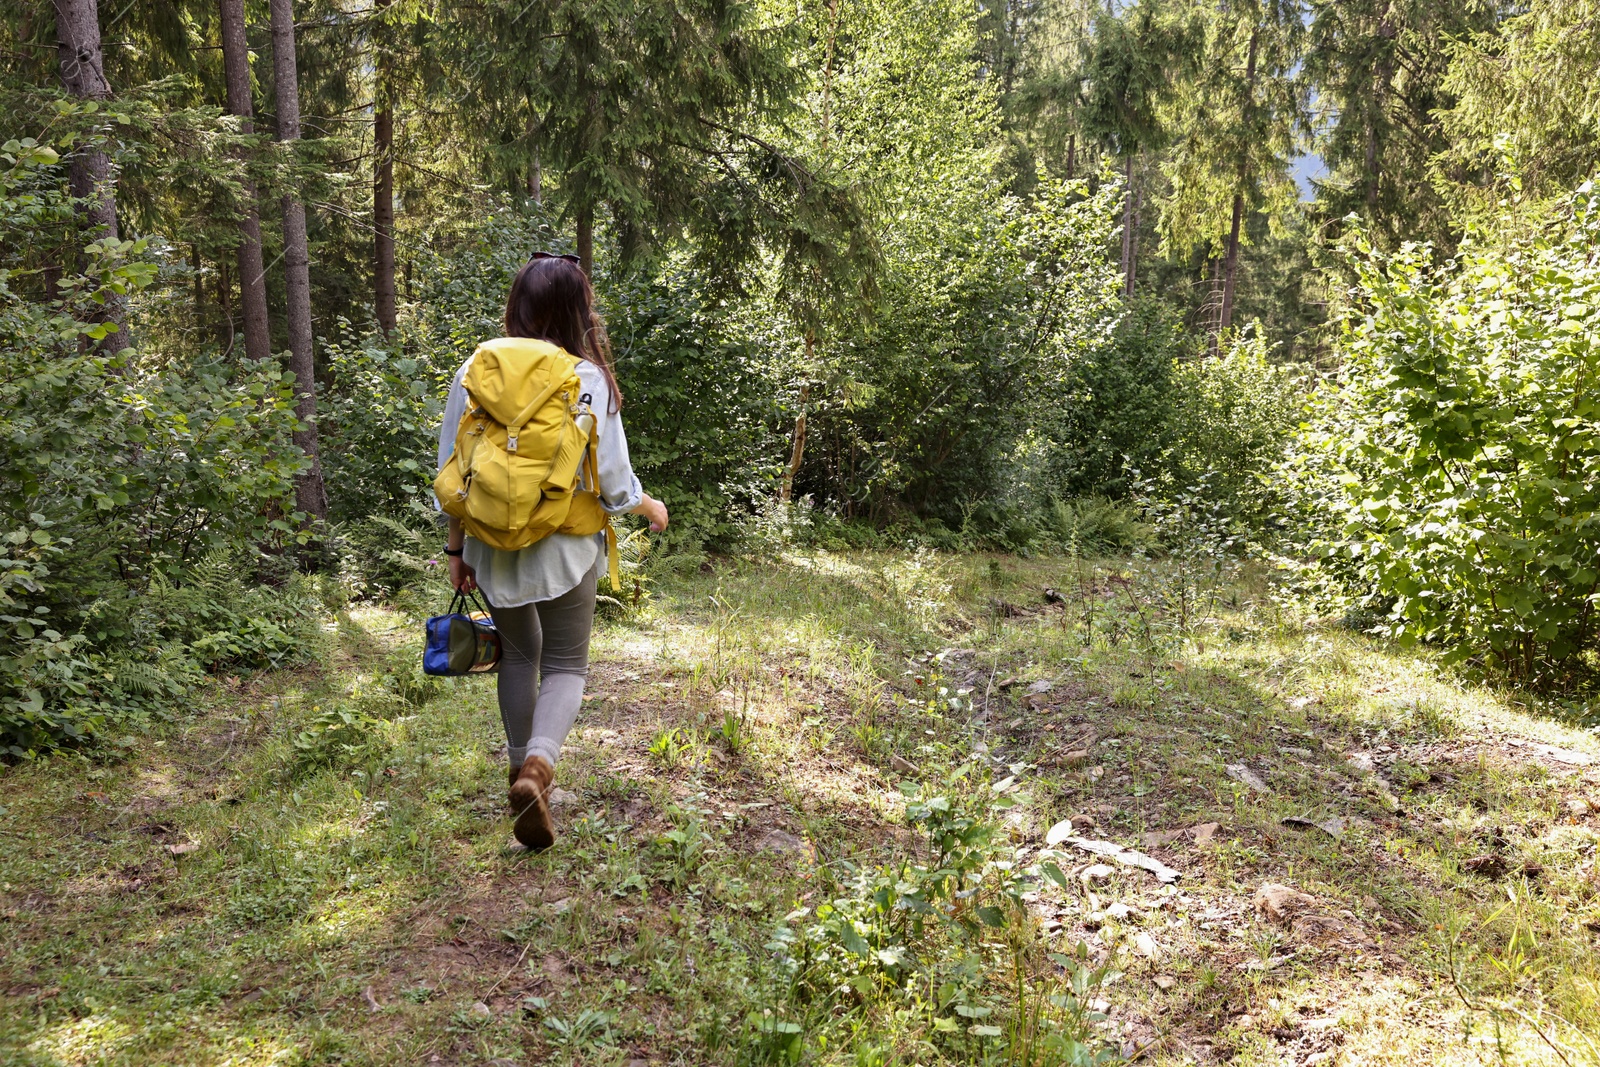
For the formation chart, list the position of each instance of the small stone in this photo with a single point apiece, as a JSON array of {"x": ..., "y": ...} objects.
[
  {"x": 1040, "y": 687},
  {"x": 1242, "y": 774},
  {"x": 1165, "y": 982},
  {"x": 1488, "y": 865},
  {"x": 1205, "y": 832},
  {"x": 1245, "y": 1022},
  {"x": 979, "y": 748},
  {"x": 481, "y": 1010},
  {"x": 1099, "y": 872},
  {"x": 1097, "y": 772},
  {"x": 1578, "y": 807},
  {"x": 1281, "y": 904},
  {"x": 780, "y": 841},
  {"x": 1146, "y": 945},
  {"x": 901, "y": 765},
  {"x": 1075, "y": 757},
  {"x": 561, "y": 798},
  {"x": 1120, "y": 912},
  {"x": 562, "y": 905}
]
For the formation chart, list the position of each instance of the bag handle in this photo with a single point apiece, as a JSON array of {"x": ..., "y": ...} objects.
[{"x": 462, "y": 601}]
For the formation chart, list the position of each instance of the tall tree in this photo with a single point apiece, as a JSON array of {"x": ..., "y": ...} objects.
[
  {"x": 1376, "y": 69},
  {"x": 1527, "y": 93},
  {"x": 1235, "y": 124},
  {"x": 93, "y": 186},
  {"x": 383, "y": 288},
  {"x": 252, "y": 273},
  {"x": 623, "y": 107},
  {"x": 312, "y": 496},
  {"x": 1129, "y": 74}
]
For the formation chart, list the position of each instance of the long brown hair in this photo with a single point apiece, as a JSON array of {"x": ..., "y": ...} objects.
[{"x": 551, "y": 300}]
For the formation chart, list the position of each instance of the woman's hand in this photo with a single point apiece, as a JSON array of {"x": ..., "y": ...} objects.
[
  {"x": 463, "y": 579},
  {"x": 653, "y": 510}
]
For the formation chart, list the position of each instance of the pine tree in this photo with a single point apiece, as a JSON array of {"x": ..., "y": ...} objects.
[
  {"x": 1234, "y": 123},
  {"x": 313, "y": 498},
  {"x": 93, "y": 184},
  {"x": 252, "y": 273},
  {"x": 623, "y": 107},
  {"x": 383, "y": 288}
]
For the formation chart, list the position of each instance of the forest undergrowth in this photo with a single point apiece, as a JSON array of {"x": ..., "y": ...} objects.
[{"x": 829, "y": 808}]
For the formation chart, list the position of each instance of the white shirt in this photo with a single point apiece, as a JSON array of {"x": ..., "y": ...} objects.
[{"x": 553, "y": 565}]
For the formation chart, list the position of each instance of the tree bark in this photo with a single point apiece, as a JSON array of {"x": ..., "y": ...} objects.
[
  {"x": 310, "y": 492},
  {"x": 1231, "y": 268},
  {"x": 383, "y": 288},
  {"x": 89, "y": 172},
  {"x": 586, "y": 238},
  {"x": 797, "y": 450},
  {"x": 1127, "y": 226},
  {"x": 252, "y": 275},
  {"x": 1072, "y": 155}
]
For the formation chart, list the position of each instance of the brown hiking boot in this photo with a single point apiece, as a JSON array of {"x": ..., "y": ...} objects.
[{"x": 529, "y": 787}]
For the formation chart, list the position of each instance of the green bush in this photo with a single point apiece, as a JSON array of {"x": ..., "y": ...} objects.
[
  {"x": 1451, "y": 471},
  {"x": 120, "y": 477},
  {"x": 1234, "y": 416}
]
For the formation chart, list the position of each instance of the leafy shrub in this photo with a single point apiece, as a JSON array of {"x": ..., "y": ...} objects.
[
  {"x": 699, "y": 401},
  {"x": 379, "y": 423},
  {"x": 333, "y": 738},
  {"x": 1451, "y": 471},
  {"x": 1233, "y": 419},
  {"x": 945, "y": 940},
  {"x": 1111, "y": 410},
  {"x": 119, "y": 476},
  {"x": 1095, "y": 524}
]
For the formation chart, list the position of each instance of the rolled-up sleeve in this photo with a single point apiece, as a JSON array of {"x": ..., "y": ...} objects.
[{"x": 620, "y": 490}]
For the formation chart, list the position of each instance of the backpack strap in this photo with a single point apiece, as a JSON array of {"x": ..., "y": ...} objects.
[{"x": 591, "y": 458}]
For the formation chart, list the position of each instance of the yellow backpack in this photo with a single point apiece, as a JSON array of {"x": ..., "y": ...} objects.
[{"x": 514, "y": 477}]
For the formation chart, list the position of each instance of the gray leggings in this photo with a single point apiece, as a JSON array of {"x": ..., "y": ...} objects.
[{"x": 544, "y": 660}]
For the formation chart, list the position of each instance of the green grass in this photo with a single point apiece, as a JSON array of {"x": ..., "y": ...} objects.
[{"x": 316, "y": 867}]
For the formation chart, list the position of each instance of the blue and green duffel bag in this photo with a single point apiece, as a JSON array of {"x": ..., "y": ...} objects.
[{"x": 461, "y": 641}]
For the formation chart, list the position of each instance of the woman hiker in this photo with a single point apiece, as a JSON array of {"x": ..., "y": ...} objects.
[{"x": 542, "y": 597}]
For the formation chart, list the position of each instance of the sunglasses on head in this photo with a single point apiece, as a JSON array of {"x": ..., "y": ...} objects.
[{"x": 574, "y": 260}]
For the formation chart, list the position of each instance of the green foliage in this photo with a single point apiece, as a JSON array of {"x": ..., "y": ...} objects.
[
  {"x": 333, "y": 738},
  {"x": 1451, "y": 471},
  {"x": 1109, "y": 411},
  {"x": 943, "y": 940},
  {"x": 1235, "y": 415},
  {"x": 120, "y": 479},
  {"x": 699, "y": 400},
  {"x": 1524, "y": 92},
  {"x": 379, "y": 424}
]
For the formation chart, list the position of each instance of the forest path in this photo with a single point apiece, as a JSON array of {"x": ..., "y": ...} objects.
[{"x": 315, "y": 866}]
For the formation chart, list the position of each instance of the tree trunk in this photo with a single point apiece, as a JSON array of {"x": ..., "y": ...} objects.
[
  {"x": 797, "y": 450},
  {"x": 83, "y": 75},
  {"x": 312, "y": 496},
  {"x": 252, "y": 275},
  {"x": 586, "y": 238},
  {"x": 536, "y": 180},
  {"x": 1072, "y": 155},
  {"x": 383, "y": 189},
  {"x": 1231, "y": 268},
  {"x": 1127, "y": 227},
  {"x": 1133, "y": 244}
]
